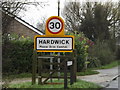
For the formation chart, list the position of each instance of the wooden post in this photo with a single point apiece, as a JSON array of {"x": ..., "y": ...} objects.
[
  {"x": 75, "y": 65},
  {"x": 71, "y": 73},
  {"x": 51, "y": 66},
  {"x": 58, "y": 66},
  {"x": 65, "y": 74},
  {"x": 40, "y": 71},
  {"x": 75, "y": 69},
  {"x": 34, "y": 67}
]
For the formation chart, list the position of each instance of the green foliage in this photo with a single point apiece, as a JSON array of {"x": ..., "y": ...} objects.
[
  {"x": 94, "y": 62},
  {"x": 29, "y": 75},
  {"x": 94, "y": 19},
  {"x": 118, "y": 52},
  {"x": 21, "y": 75},
  {"x": 87, "y": 72},
  {"x": 78, "y": 84},
  {"x": 84, "y": 84},
  {"x": 81, "y": 46},
  {"x": 111, "y": 65},
  {"x": 17, "y": 55},
  {"x": 103, "y": 52}
]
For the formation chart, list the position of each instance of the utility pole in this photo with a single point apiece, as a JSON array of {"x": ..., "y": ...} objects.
[
  {"x": 58, "y": 52},
  {"x": 58, "y": 7}
]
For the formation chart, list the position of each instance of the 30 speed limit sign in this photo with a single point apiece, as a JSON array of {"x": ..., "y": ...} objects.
[{"x": 55, "y": 25}]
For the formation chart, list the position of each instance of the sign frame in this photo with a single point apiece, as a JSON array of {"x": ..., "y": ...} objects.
[
  {"x": 55, "y": 50},
  {"x": 60, "y": 32},
  {"x": 47, "y": 24}
]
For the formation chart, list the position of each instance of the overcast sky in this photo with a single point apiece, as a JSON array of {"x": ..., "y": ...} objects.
[{"x": 33, "y": 15}]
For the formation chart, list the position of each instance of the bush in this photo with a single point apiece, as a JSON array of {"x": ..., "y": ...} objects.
[
  {"x": 81, "y": 45},
  {"x": 17, "y": 56},
  {"x": 103, "y": 52},
  {"x": 118, "y": 53},
  {"x": 17, "y": 53},
  {"x": 93, "y": 62}
]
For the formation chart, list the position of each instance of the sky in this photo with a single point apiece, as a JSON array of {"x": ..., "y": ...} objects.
[{"x": 33, "y": 15}]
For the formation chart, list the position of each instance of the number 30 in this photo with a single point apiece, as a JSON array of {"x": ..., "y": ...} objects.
[{"x": 54, "y": 25}]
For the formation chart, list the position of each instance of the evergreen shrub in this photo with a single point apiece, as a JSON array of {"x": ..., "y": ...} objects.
[{"x": 17, "y": 55}]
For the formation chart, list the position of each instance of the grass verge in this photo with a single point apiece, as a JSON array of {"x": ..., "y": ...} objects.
[
  {"x": 22, "y": 75},
  {"x": 29, "y": 75},
  {"x": 108, "y": 66},
  {"x": 78, "y": 84},
  {"x": 87, "y": 72}
]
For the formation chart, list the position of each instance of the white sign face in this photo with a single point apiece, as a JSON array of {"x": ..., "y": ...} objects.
[
  {"x": 54, "y": 43},
  {"x": 55, "y": 25},
  {"x": 69, "y": 63}
]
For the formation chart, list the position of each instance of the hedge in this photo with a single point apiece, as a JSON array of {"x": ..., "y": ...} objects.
[{"x": 17, "y": 56}]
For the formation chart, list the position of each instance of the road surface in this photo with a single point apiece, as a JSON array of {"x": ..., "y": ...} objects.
[
  {"x": 104, "y": 78},
  {"x": 113, "y": 84}
]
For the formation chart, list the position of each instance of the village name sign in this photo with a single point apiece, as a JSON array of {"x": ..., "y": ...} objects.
[{"x": 55, "y": 40}]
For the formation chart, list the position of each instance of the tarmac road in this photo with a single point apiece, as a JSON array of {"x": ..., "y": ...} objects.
[
  {"x": 104, "y": 78},
  {"x": 113, "y": 84}
]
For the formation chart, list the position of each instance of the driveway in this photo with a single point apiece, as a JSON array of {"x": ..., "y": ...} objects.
[{"x": 103, "y": 78}]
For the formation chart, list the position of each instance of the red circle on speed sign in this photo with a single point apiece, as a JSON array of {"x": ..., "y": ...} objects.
[{"x": 55, "y": 25}]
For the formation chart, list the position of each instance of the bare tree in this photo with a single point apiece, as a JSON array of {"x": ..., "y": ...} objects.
[
  {"x": 113, "y": 15},
  {"x": 94, "y": 19},
  {"x": 72, "y": 16}
]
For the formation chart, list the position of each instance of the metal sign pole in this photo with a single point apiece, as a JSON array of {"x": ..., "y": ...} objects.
[
  {"x": 58, "y": 7},
  {"x": 58, "y": 52}
]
